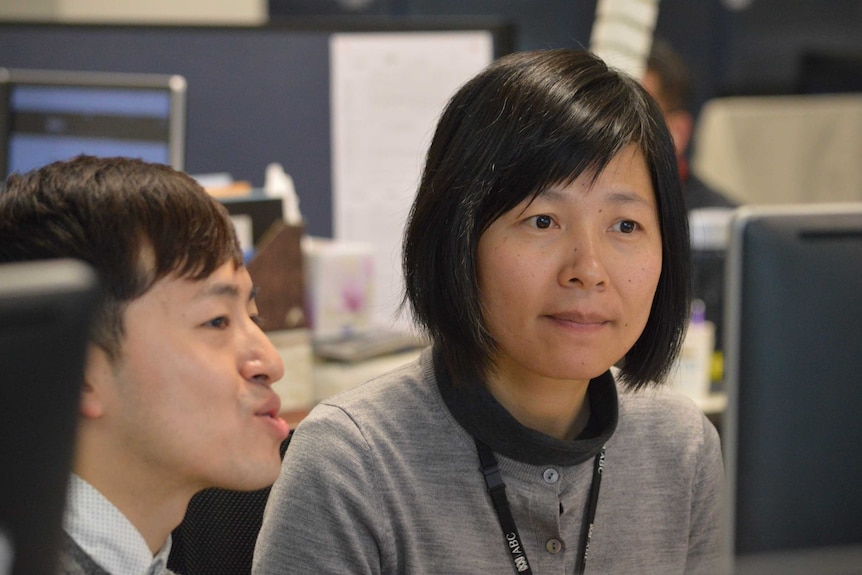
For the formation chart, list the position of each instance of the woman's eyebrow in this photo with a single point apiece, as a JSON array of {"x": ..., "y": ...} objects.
[
  {"x": 550, "y": 194},
  {"x": 554, "y": 194},
  {"x": 626, "y": 197}
]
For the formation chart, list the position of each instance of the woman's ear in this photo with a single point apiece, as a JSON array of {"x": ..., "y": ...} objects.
[{"x": 97, "y": 375}]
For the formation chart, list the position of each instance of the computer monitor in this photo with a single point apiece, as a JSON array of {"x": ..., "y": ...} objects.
[
  {"x": 45, "y": 310},
  {"x": 793, "y": 362},
  {"x": 51, "y": 115}
]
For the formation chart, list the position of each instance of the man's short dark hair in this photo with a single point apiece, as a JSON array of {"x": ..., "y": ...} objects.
[
  {"x": 672, "y": 74},
  {"x": 528, "y": 121},
  {"x": 134, "y": 222}
]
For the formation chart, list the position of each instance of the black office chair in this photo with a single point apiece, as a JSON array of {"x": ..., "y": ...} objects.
[{"x": 218, "y": 533}]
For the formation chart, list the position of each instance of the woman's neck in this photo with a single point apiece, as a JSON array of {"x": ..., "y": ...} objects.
[{"x": 558, "y": 408}]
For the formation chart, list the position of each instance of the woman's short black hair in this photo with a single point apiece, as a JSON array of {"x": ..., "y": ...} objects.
[{"x": 530, "y": 120}]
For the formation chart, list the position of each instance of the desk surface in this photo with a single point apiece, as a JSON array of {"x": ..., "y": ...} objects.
[{"x": 309, "y": 380}]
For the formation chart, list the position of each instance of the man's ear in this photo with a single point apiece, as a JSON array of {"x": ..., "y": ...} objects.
[
  {"x": 680, "y": 124},
  {"x": 98, "y": 374}
]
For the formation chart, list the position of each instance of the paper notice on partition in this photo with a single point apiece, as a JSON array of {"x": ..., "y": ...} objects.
[{"x": 387, "y": 92}]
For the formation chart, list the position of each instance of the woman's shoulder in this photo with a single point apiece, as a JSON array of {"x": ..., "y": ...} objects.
[
  {"x": 661, "y": 424},
  {"x": 663, "y": 413},
  {"x": 396, "y": 398},
  {"x": 403, "y": 383},
  {"x": 656, "y": 397}
]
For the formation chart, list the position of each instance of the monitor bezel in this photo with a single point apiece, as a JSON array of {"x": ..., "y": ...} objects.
[{"x": 174, "y": 84}]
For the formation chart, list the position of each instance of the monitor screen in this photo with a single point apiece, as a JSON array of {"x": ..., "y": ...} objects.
[
  {"x": 55, "y": 115},
  {"x": 793, "y": 358}
]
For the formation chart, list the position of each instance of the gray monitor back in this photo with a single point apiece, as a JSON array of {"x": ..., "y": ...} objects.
[{"x": 792, "y": 432}]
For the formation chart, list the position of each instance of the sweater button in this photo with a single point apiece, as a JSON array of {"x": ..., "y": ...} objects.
[
  {"x": 553, "y": 546},
  {"x": 550, "y": 475}
]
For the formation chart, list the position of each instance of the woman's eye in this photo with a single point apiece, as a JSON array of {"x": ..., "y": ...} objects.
[
  {"x": 626, "y": 226},
  {"x": 258, "y": 320},
  {"x": 542, "y": 221}
]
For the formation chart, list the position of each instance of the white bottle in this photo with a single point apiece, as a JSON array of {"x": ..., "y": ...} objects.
[
  {"x": 279, "y": 184},
  {"x": 692, "y": 374}
]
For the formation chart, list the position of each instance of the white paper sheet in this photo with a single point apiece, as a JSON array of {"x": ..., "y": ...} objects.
[{"x": 387, "y": 92}]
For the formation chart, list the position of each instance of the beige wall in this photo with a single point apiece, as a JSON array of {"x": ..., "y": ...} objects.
[{"x": 144, "y": 11}]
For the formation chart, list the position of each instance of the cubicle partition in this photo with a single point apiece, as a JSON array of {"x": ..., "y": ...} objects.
[
  {"x": 256, "y": 95},
  {"x": 782, "y": 149}
]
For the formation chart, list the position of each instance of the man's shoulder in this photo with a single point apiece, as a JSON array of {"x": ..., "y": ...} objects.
[{"x": 699, "y": 194}]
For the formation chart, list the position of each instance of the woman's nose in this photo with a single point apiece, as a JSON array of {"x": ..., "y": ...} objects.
[{"x": 584, "y": 266}]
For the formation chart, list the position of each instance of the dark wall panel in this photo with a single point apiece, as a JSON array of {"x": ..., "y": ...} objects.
[{"x": 255, "y": 96}]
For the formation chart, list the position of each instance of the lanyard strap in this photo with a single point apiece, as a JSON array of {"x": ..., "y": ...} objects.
[
  {"x": 592, "y": 505},
  {"x": 497, "y": 491}
]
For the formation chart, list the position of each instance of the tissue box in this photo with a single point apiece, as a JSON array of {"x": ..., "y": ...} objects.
[
  {"x": 339, "y": 284},
  {"x": 277, "y": 270}
]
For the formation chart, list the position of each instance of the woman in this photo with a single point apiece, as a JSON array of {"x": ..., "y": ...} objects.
[{"x": 547, "y": 243}]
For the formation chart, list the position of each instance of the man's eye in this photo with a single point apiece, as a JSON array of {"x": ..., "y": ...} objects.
[
  {"x": 542, "y": 221},
  {"x": 626, "y": 226},
  {"x": 219, "y": 322},
  {"x": 258, "y": 320}
]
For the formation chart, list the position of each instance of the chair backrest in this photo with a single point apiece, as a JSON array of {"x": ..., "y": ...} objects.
[{"x": 218, "y": 534}]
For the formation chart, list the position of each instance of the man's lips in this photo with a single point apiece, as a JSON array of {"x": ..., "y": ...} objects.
[
  {"x": 268, "y": 411},
  {"x": 271, "y": 407}
]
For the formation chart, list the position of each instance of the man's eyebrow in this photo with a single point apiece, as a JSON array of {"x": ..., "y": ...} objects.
[
  {"x": 221, "y": 290},
  {"x": 228, "y": 290}
]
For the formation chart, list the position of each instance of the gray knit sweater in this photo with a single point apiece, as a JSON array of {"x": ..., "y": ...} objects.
[{"x": 385, "y": 478}]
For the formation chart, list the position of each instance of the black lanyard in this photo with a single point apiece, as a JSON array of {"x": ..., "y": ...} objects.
[{"x": 497, "y": 491}]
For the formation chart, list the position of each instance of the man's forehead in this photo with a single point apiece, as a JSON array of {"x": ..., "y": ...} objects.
[{"x": 228, "y": 281}]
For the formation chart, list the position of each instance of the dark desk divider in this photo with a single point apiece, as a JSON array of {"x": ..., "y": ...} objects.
[{"x": 45, "y": 310}]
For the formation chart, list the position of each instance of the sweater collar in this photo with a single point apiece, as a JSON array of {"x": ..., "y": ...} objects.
[{"x": 483, "y": 417}]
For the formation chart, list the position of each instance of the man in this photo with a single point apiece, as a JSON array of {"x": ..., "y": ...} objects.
[
  {"x": 667, "y": 80},
  {"x": 177, "y": 391}
]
